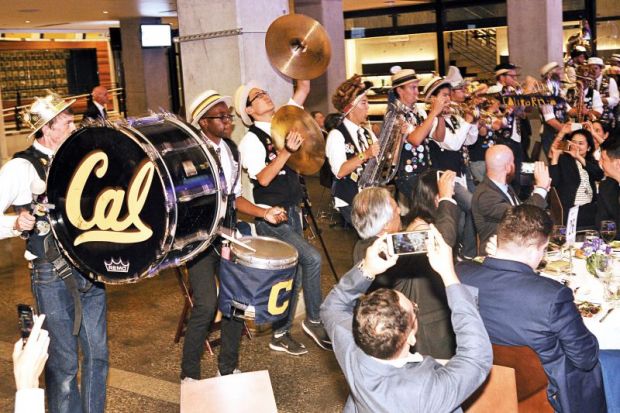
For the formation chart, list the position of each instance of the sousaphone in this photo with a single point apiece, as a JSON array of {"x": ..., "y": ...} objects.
[{"x": 298, "y": 47}]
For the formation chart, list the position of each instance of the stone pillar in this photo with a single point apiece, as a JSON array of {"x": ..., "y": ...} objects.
[
  {"x": 534, "y": 34},
  {"x": 223, "y": 63},
  {"x": 329, "y": 14},
  {"x": 146, "y": 71}
]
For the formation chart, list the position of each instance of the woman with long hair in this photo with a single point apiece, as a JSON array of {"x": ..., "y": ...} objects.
[{"x": 575, "y": 172}]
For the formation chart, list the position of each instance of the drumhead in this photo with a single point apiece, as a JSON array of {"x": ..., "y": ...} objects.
[
  {"x": 134, "y": 198},
  {"x": 270, "y": 253}
]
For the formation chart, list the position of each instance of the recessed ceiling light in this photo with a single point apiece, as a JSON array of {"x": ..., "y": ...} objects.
[
  {"x": 27, "y": 21},
  {"x": 105, "y": 12}
]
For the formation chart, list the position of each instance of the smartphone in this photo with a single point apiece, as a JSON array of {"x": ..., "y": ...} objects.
[
  {"x": 402, "y": 243},
  {"x": 564, "y": 146},
  {"x": 439, "y": 173},
  {"x": 25, "y": 315},
  {"x": 575, "y": 126},
  {"x": 527, "y": 167}
]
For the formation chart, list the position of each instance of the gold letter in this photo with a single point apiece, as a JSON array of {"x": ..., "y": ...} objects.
[{"x": 272, "y": 306}]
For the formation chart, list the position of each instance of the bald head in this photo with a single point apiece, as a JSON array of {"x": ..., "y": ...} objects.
[
  {"x": 100, "y": 95},
  {"x": 500, "y": 162}
]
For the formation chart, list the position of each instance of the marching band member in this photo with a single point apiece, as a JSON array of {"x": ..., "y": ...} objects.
[
  {"x": 607, "y": 88},
  {"x": 277, "y": 184},
  {"x": 349, "y": 146},
  {"x": 449, "y": 135},
  {"x": 554, "y": 116},
  {"x": 210, "y": 114},
  {"x": 75, "y": 307},
  {"x": 578, "y": 57},
  {"x": 589, "y": 105},
  {"x": 415, "y": 155}
]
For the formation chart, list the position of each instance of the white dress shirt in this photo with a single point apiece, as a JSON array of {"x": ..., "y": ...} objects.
[
  {"x": 614, "y": 96},
  {"x": 16, "y": 178},
  {"x": 229, "y": 166}
]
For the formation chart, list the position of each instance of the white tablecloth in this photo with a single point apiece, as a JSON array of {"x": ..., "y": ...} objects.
[{"x": 590, "y": 288}]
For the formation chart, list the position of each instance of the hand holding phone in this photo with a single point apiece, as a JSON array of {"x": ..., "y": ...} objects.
[
  {"x": 564, "y": 146},
  {"x": 29, "y": 359},
  {"x": 378, "y": 259}
]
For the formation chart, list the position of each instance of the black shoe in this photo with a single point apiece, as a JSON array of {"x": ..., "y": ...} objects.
[
  {"x": 286, "y": 344},
  {"x": 317, "y": 332}
]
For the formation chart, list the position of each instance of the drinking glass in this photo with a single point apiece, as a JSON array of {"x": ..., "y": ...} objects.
[
  {"x": 590, "y": 235},
  {"x": 604, "y": 265},
  {"x": 608, "y": 230},
  {"x": 611, "y": 285},
  {"x": 558, "y": 237}
]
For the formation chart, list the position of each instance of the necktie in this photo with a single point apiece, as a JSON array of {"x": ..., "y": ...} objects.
[
  {"x": 361, "y": 137},
  {"x": 105, "y": 113},
  {"x": 514, "y": 200}
]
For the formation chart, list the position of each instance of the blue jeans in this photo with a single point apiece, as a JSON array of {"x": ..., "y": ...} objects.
[
  {"x": 56, "y": 302},
  {"x": 308, "y": 273}
]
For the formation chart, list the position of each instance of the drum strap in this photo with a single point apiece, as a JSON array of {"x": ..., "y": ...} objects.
[{"x": 65, "y": 273}]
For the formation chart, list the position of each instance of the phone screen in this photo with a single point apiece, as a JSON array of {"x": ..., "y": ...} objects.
[
  {"x": 26, "y": 319},
  {"x": 409, "y": 242},
  {"x": 527, "y": 167}
]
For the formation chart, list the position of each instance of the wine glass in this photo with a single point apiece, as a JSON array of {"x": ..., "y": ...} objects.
[
  {"x": 558, "y": 237},
  {"x": 603, "y": 267},
  {"x": 608, "y": 230}
]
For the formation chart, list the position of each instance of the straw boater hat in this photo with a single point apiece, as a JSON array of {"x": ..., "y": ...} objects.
[
  {"x": 578, "y": 51},
  {"x": 596, "y": 61},
  {"x": 241, "y": 101},
  {"x": 402, "y": 77},
  {"x": 433, "y": 85},
  {"x": 203, "y": 103},
  {"x": 615, "y": 58},
  {"x": 548, "y": 68},
  {"x": 44, "y": 110},
  {"x": 349, "y": 93},
  {"x": 504, "y": 68}
]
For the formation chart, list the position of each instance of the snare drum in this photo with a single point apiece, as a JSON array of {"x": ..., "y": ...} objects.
[
  {"x": 134, "y": 198},
  {"x": 258, "y": 285}
]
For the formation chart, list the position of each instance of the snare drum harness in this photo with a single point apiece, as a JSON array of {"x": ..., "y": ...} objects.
[{"x": 43, "y": 245}]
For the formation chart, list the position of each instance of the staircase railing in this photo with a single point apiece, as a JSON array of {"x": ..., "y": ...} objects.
[{"x": 477, "y": 48}]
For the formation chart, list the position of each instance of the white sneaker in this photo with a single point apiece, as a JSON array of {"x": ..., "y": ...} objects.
[{"x": 235, "y": 371}]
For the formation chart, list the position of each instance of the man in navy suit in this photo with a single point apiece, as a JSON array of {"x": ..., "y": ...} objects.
[{"x": 521, "y": 308}]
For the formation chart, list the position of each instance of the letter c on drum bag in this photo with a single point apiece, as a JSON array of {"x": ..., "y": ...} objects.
[{"x": 273, "y": 306}]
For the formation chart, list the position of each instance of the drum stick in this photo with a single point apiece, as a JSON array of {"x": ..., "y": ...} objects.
[{"x": 236, "y": 241}]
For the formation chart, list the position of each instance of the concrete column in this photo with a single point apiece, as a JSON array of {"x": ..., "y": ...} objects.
[
  {"x": 4, "y": 155},
  {"x": 224, "y": 63},
  {"x": 534, "y": 34},
  {"x": 329, "y": 14},
  {"x": 146, "y": 71}
]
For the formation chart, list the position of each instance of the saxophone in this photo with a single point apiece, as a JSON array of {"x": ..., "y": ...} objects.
[{"x": 381, "y": 169}]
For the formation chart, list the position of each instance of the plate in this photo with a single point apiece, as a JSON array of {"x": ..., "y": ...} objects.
[{"x": 588, "y": 309}]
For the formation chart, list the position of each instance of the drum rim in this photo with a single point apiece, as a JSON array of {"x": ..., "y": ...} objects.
[{"x": 262, "y": 264}]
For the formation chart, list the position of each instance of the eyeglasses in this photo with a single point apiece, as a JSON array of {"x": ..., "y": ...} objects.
[
  {"x": 256, "y": 96},
  {"x": 223, "y": 118}
]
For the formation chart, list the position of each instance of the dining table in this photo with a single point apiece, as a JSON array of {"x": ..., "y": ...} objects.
[{"x": 605, "y": 324}]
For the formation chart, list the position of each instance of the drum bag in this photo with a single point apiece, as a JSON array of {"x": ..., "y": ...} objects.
[{"x": 254, "y": 287}]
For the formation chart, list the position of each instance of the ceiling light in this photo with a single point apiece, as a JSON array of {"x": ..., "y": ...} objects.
[
  {"x": 27, "y": 21},
  {"x": 105, "y": 12}
]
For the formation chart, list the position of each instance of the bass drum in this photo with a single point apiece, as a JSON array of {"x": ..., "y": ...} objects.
[{"x": 132, "y": 199}]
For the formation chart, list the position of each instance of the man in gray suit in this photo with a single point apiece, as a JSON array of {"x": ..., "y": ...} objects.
[
  {"x": 372, "y": 334},
  {"x": 493, "y": 196}
]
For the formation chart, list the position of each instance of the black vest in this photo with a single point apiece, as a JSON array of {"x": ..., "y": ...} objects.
[
  {"x": 40, "y": 161},
  {"x": 414, "y": 159},
  {"x": 444, "y": 159},
  {"x": 230, "y": 219},
  {"x": 478, "y": 150},
  {"x": 346, "y": 187},
  {"x": 285, "y": 189}
]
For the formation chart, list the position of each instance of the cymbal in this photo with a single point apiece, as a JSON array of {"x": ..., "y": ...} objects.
[
  {"x": 298, "y": 46},
  {"x": 311, "y": 155}
]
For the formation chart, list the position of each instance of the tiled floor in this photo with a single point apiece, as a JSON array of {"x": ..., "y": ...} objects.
[{"x": 142, "y": 321}]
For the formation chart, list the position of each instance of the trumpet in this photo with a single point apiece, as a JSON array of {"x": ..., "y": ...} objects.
[{"x": 533, "y": 86}]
